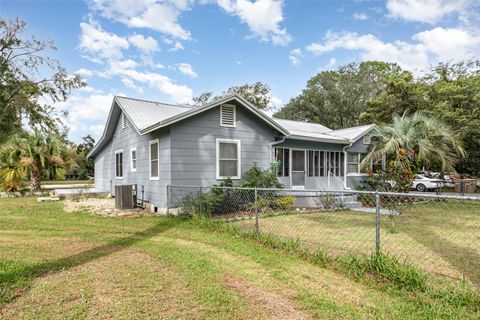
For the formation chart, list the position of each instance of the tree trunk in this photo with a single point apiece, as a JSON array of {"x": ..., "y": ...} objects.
[{"x": 35, "y": 179}]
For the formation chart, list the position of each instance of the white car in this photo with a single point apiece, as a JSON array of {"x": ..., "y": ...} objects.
[{"x": 422, "y": 183}]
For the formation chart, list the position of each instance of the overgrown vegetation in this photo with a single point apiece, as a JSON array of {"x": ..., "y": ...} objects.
[{"x": 377, "y": 92}]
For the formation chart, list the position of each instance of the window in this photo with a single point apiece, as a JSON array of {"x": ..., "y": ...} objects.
[
  {"x": 228, "y": 117},
  {"x": 154, "y": 163},
  {"x": 355, "y": 163},
  {"x": 124, "y": 120},
  {"x": 228, "y": 158},
  {"x": 119, "y": 164},
  {"x": 133, "y": 159},
  {"x": 283, "y": 157}
]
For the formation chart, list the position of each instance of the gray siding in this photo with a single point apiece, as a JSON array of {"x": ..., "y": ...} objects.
[
  {"x": 193, "y": 145},
  {"x": 354, "y": 182},
  {"x": 358, "y": 146},
  {"x": 125, "y": 139}
]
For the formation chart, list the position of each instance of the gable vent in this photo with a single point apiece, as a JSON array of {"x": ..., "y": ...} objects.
[
  {"x": 228, "y": 115},
  {"x": 124, "y": 120}
]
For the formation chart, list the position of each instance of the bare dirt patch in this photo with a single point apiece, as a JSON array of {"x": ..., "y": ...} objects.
[
  {"x": 104, "y": 207},
  {"x": 274, "y": 305}
]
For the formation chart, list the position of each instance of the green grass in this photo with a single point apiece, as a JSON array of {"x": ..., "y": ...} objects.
[
  {"x": 76, "y": 265},
  {"x": 441, "y": 238}
]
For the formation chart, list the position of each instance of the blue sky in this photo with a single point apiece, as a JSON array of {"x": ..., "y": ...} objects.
[{"x": 169, "y": 50}]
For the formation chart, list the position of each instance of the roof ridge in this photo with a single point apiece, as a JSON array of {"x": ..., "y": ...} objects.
[
  {"x": 156, "y": 102},
  {"x": 299, "y": 121},
  {"x": 365, "y": 125}
]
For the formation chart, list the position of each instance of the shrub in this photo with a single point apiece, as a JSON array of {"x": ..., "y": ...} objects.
[
  {"x": 259, "y": 178},
  {"x": 327, "y": 200},
  {"x": 285, "y": 202}
]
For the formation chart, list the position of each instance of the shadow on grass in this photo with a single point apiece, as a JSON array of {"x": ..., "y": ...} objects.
[
  {"x": 20, "y": 277},
  {"x": 464, "y": 259}
]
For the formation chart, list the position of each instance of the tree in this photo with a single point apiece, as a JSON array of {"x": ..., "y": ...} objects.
[
  {"x": 30, "y": 154},
  {"x": 337, "y": 98},
  {"x": 258, "y": 94},
  {"x": 23, "y": 65},
  {"x": 448, "y": 92},
  {"x": 411, "y": 142}
]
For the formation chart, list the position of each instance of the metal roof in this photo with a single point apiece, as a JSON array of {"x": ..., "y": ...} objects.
[
  {"x": 144, "y": 114},
  {"x": 352, "y": 133},
  {"x": 299, "y": 126},
  {"x": 148, "y": 116}
]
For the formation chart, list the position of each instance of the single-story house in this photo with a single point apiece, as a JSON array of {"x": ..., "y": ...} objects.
[{"x": 155, "y": 144}]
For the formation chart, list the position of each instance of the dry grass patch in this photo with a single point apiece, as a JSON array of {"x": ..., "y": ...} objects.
[{"x": 124, "y": 285}]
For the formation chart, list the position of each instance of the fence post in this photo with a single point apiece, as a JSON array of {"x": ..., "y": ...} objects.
[
  {"x": 168, "y": 198},
  {"x": 202, "y": 201},
  {"x": 257, "y": 231},
  {"x": 377, "y": 223}
]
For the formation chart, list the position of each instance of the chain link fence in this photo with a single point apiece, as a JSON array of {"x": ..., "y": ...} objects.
[{"x": 437, "y": 233}]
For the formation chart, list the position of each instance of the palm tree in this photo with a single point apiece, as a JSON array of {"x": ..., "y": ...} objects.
[
  {"x": 28, "y": 154},
  {"x": 416, "y": 140}
]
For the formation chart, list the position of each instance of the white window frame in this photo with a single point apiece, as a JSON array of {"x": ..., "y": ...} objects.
[
  {"x": 359, "y": 166},
  {"x": 132, "y": 169},
  {"x": 234, "y": 116},
  {"x": 150, "y": 159},
  {"x": 239, "y": 156},
  {"x": 117, "y": 152},
  {"x": 124, "y": 121}
]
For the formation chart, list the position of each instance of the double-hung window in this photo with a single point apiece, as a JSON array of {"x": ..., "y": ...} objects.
[
  {"x": 154, "y": 160},
  {"x": 355, "y": 163},
  {"x": 133, "y": 159},
  {"x": 119, "y": 164},
  {"x": 228, "y": 158}
]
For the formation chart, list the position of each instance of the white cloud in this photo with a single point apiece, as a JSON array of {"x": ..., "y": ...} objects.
[
  {"x": 97, "y": 42},
  {"x": 360, "y": 16},
  {"x": 186, "y": 69},
  {"x": 332, "y": 62},
  {"x": 131, "y": 85},
  {"x": 147, "y": 45},
  {"x": 87, "y": 114},
  {"x": 108, "y": 49},
  {"x": 426, "y": 11},
  {"x": 263, "y": 17},
  {"x": 295, "y": 56},
  {"x": 427, "y": 47},
  {"x": 161, "y": 16},
  {"x": 177, "y": 47}
]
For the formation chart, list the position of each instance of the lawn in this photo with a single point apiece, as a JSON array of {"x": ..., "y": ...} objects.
[
  {"x": 57, "y": 265},
  {"x": 440, "y": 237}
]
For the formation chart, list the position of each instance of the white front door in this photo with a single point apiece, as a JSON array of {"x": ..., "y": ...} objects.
[{"x": 297, "y": 173}]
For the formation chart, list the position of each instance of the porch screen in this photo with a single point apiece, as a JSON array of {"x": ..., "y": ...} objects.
[{"x": 283, "y": 158}]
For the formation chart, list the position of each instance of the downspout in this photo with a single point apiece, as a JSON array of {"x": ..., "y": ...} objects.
[
  {"x": 273, "y": 144},
  {"x": 345, "y": 166}
]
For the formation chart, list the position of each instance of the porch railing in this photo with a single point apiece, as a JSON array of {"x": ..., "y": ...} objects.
[{"x": 334, "y": 182}]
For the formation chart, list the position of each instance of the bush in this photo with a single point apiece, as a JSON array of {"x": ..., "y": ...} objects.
[{"x": 285, "y": 202}]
